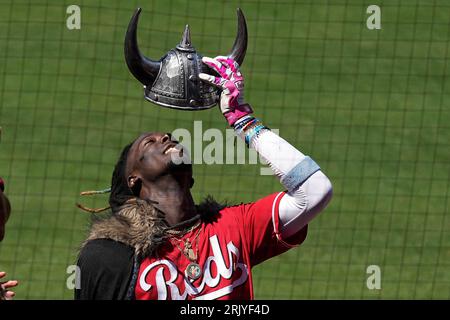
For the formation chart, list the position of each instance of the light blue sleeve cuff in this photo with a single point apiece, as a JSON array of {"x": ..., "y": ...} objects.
[{"x": 302, "y": 171}]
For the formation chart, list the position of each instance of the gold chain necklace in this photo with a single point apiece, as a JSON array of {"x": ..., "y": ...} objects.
[
  {"x": 183, "y": 232},
  {"x": 193, "y": 270}
]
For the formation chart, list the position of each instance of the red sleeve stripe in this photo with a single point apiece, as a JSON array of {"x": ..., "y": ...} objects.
[{"x": 276, "y": 220}]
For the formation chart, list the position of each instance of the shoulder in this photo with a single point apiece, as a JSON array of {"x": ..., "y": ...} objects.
[
  {"x": 261, "y": 207},
  {"x": 105, "y": 268},
  {"x": 105, "y": 252},
  {"x": 267, "y": 203}
]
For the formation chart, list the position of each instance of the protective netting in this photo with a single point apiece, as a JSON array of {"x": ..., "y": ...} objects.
[{"x": 370, "y": 106}]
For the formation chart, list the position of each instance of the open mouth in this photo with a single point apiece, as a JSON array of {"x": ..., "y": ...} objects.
[{"x": 171, "y": 148}]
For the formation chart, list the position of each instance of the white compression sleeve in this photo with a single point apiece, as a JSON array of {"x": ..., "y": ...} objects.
[{"x": 300, "y": 205}]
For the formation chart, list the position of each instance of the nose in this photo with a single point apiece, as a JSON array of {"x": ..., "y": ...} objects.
[{"x": 165, "y": 138}]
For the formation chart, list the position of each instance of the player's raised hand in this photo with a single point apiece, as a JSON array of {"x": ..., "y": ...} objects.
[{"x": 231, "y": 82}]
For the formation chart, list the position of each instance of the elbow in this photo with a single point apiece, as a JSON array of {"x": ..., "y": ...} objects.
[
  {"x": 327, "y": 191},
  {"x": 323, "y": 189}
]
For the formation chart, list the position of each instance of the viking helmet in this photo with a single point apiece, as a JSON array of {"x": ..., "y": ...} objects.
[{"x": 173, "y": 81}]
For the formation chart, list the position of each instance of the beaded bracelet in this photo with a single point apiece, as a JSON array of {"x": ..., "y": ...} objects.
[
  {"x": 248, "y": 128},
  {"x": 243, "y": 124},
  {"x": 254, "y": 132},
  {"x": 240, "y": 122}
]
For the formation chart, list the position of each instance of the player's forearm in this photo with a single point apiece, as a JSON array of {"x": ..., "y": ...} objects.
[
  {"x": 289, "y": 164},
  {"x": 309, "y": 190}
]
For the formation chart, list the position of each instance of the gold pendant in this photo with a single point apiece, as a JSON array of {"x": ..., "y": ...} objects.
[
  {"x": 188, "y": 251},
  {"x": 193, "y": 271},
  {"x": 191, "y": 255}
]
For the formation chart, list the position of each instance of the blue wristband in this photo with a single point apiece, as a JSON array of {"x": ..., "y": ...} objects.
[
  {"x": 302, "y": 171},
  {"x": 254, "y": 132}
]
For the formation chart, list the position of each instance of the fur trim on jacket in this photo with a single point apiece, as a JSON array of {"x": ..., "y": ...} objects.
[{"x": 141, "y": 226}]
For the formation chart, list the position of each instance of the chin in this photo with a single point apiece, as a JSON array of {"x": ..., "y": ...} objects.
[{"x": 182, "y": 167}]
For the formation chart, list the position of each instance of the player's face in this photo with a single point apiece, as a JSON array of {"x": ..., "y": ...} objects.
[{"x": 152, "y": 156}]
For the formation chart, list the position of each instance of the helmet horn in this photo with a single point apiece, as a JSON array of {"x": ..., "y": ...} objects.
[
  {"x": 240, "y": 43},
  {"x": 143, "y": 68},
  {"x": 186, "y": 43}
]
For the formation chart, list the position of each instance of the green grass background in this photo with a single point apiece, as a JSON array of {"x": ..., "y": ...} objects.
[{"x": 370, "y": 106}]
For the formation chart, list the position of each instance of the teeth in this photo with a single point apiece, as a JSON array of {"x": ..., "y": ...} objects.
[{"x": 172, "y": 149}]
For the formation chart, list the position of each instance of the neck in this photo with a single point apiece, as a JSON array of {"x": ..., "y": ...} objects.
[{"x": 172, "y": 196}]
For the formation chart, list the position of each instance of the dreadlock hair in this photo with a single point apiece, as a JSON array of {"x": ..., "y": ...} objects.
[
  {"x": 120, "y": 192},
  {"x": 131, "y": 220}
]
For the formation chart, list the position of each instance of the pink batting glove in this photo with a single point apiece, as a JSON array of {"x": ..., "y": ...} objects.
[{"x": 231, "y": 82}]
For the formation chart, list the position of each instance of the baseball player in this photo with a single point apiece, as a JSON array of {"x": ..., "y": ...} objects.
[{"x": 158, "y": 244}]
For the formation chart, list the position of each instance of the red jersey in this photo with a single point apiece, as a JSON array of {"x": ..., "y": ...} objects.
[{"x": 239, "y": 238}]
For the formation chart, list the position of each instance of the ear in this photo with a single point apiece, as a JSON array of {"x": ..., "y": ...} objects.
[{"x": 132, "y": 180}]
